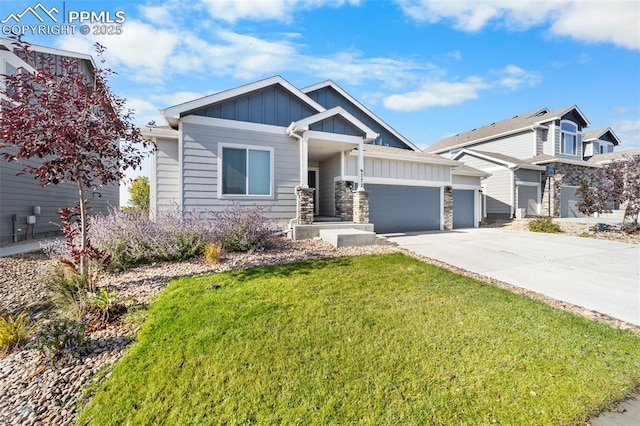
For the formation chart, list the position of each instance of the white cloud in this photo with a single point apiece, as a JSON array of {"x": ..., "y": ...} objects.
[
  {"x": 614, "y": 21},
  {"x": 144, "y": 111},
  {"x": 265, "y": 10},
  {"x": 628, "y": 130},
  {"x": 143, "y": 50},
  {"x": 437, "y": 93},
  {"x": 445, "y": 93},
  {"x": 514, "y": 77}
]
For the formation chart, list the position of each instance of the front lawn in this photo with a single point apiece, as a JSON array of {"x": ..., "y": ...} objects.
[{"x": 382, "y": 339}]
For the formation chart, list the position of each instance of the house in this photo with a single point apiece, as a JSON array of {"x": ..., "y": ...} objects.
[
  {"x": 311, "y": 154},
  {"x": 537, "y": 160},
  {"x": 28, "y": 211}
]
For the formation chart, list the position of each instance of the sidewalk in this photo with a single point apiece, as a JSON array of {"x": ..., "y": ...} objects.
[{"x": 24, "y": 247}]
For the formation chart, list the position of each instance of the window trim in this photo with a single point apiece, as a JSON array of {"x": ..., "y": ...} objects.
[
  {"x": 575, "y": 140},
  {"x": 248, "y": 148}
]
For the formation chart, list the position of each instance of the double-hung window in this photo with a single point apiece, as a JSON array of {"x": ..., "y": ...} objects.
[
  {"x": 569, "y": 138},
  {"x": 246, "y": 170}
]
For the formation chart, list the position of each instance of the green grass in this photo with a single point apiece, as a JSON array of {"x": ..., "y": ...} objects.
[{"x": 380, "y": 339}]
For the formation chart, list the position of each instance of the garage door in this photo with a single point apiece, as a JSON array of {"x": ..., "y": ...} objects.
[
  {"x": 528, "y": 199},
  {"x": 394, "y": 208},
  {"x": 568, "y": 201},
  {"x": 463, "y": 208}
]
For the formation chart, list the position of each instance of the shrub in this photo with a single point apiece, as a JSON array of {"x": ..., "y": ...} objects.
[
  {"x": 13, "y": 331},
  {"x": 544, "y": 224},
  {"x": 67, "y": 293},
  {"x": 130, "y": 238},
  {"x": 104, "y": 306},
  {"x": 241, "y": 228},
  {"x": 63, "y": 338},
  {"x": 212, "y": 253}
]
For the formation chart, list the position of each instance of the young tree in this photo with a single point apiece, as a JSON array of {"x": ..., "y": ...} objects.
[
  {"x": 72, "y": 123},
  {"x": 619, "y": 182},
  {"x": 590, "y": 201},
  {"x": 139, "y": 193}
]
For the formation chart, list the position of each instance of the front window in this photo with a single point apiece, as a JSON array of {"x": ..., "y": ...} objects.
[
  {"x": 569, "y": 138},
  {"x": 246, "y": 171}
]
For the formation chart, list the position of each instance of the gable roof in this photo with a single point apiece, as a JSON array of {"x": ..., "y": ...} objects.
[
  {"x": 302, "y": 125},
  {"x": 593, "y": 135},
  {"x": 546, "y": 159},
  {"x": 172, "y": 114},
  {"x": 341, "y": 91},
  {"x": 613, "y": 156},
  {"x": 9, "y": 45},
  {"x": 507, "y": 160},
  {"x": 388, "y": 152},
  {"x": 519, "y": 123}
]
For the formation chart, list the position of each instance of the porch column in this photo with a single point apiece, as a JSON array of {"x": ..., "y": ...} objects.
[
  {"x": 304, "y": 161},
  {"x": 361, "y": 165}
]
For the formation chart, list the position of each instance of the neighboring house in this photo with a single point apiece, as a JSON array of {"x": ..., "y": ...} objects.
[
  {"x": 308, "y": 154},
  {"x": 610, "y": 157},
  {"x": 537, "y": 160},
  {"x": 22, "y": 200}
]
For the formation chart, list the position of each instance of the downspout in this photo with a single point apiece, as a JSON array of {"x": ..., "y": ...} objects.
[{"x": 291, "y": 133}]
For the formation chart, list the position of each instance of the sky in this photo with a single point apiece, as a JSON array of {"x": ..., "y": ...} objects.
[{"x": 428, "y": 68}]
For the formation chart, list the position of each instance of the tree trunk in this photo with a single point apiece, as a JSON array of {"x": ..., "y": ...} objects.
[{"x": 83, "y": 232}]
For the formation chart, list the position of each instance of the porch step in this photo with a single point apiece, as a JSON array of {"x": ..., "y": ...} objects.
[
  {"x": 304, "y": 232},
  {"x": 348, "y": 237}
]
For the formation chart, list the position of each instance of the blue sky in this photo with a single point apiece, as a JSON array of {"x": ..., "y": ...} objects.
[{"x": 428, "y": 68}]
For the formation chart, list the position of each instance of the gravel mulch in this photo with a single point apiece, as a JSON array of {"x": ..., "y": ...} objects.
[{"x": 33, "y": 392}]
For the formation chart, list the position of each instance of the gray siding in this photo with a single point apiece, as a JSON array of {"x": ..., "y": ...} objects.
[
  {"x": 394, "y": 208},
  {"x": 19, "y": 194},
  {"x": 558, "y": 148},
  {"x": 329, "y": 98},
  {"x": 541, "y": 137},
  {"x": 272, "y": 105},
  {"x": 337, "y": 125},
  {"x": 329, "y": 169},
  {"x": 465, "y": 180},
  {"x": 398, "y": 169},
  {"x": 497, "y": 186},
  {"x": 200, "y": 169},
  {"x": 521, "y": 145},
  {"x": 525, "y": 175},
  {"x": 165, "y": 192}
]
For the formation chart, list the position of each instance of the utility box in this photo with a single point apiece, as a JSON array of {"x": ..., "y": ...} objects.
[{"x": 31, "y": 220}]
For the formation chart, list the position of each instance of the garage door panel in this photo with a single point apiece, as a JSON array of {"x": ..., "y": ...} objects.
[
  {"x": 463, "y": 208},
  {"x": 527, "y": 199},
  {"x": 395, "y": 208},
  {"x": 568, "y": 200}
]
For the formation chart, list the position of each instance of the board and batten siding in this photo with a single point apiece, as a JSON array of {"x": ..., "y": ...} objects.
[
  {"x": 329, "y": 170},
  {"x": 19, "y": 194},
  {"x": 395, "y": 170},
  {"x": 165, "y": 181},
  {"x": 200, "y": 169},
  {"x": 520, "y": 145}
]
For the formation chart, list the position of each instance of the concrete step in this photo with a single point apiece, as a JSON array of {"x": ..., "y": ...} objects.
[{"x": 348, "y": 237}]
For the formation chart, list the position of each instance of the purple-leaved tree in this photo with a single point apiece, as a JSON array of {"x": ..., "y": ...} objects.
[
  {"x": 620, "y": 182},
  {"x": 72, "y": 123}
]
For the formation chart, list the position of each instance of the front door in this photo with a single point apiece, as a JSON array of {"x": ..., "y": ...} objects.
[{"x": 312, "y": 176}]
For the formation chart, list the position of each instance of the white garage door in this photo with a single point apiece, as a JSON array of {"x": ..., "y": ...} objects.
[
  {"x": 395, "y": 208},
  {"x": 528, "y": 199}
]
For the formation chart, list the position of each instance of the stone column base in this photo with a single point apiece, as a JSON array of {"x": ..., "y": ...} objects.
[
  {"x": 305, "y": 205},
  {"x": 361, "y": 207}
]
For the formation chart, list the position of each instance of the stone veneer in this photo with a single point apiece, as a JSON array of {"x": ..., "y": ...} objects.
[
  {"x": 305, "y": 205},
  {"x": 344, "y": 199},
  {"x": 361, "y": 207},
  {"x": 573, "y": 175},
  {"x": 448, "y": 209}
]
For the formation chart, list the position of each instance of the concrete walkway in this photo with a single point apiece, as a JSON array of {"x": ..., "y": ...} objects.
[{"x": 603, "y": 276}]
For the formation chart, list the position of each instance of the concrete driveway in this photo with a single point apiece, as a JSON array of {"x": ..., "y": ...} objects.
[{"x": 603, "y": 276}]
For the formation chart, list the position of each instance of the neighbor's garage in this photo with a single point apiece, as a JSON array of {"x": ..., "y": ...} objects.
[
  {"x": 568, "y": 201},
  {"x": 528, "y": 199},
  {"x": 396, "y": 208},
  {"x": 463, "y": 208}
]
